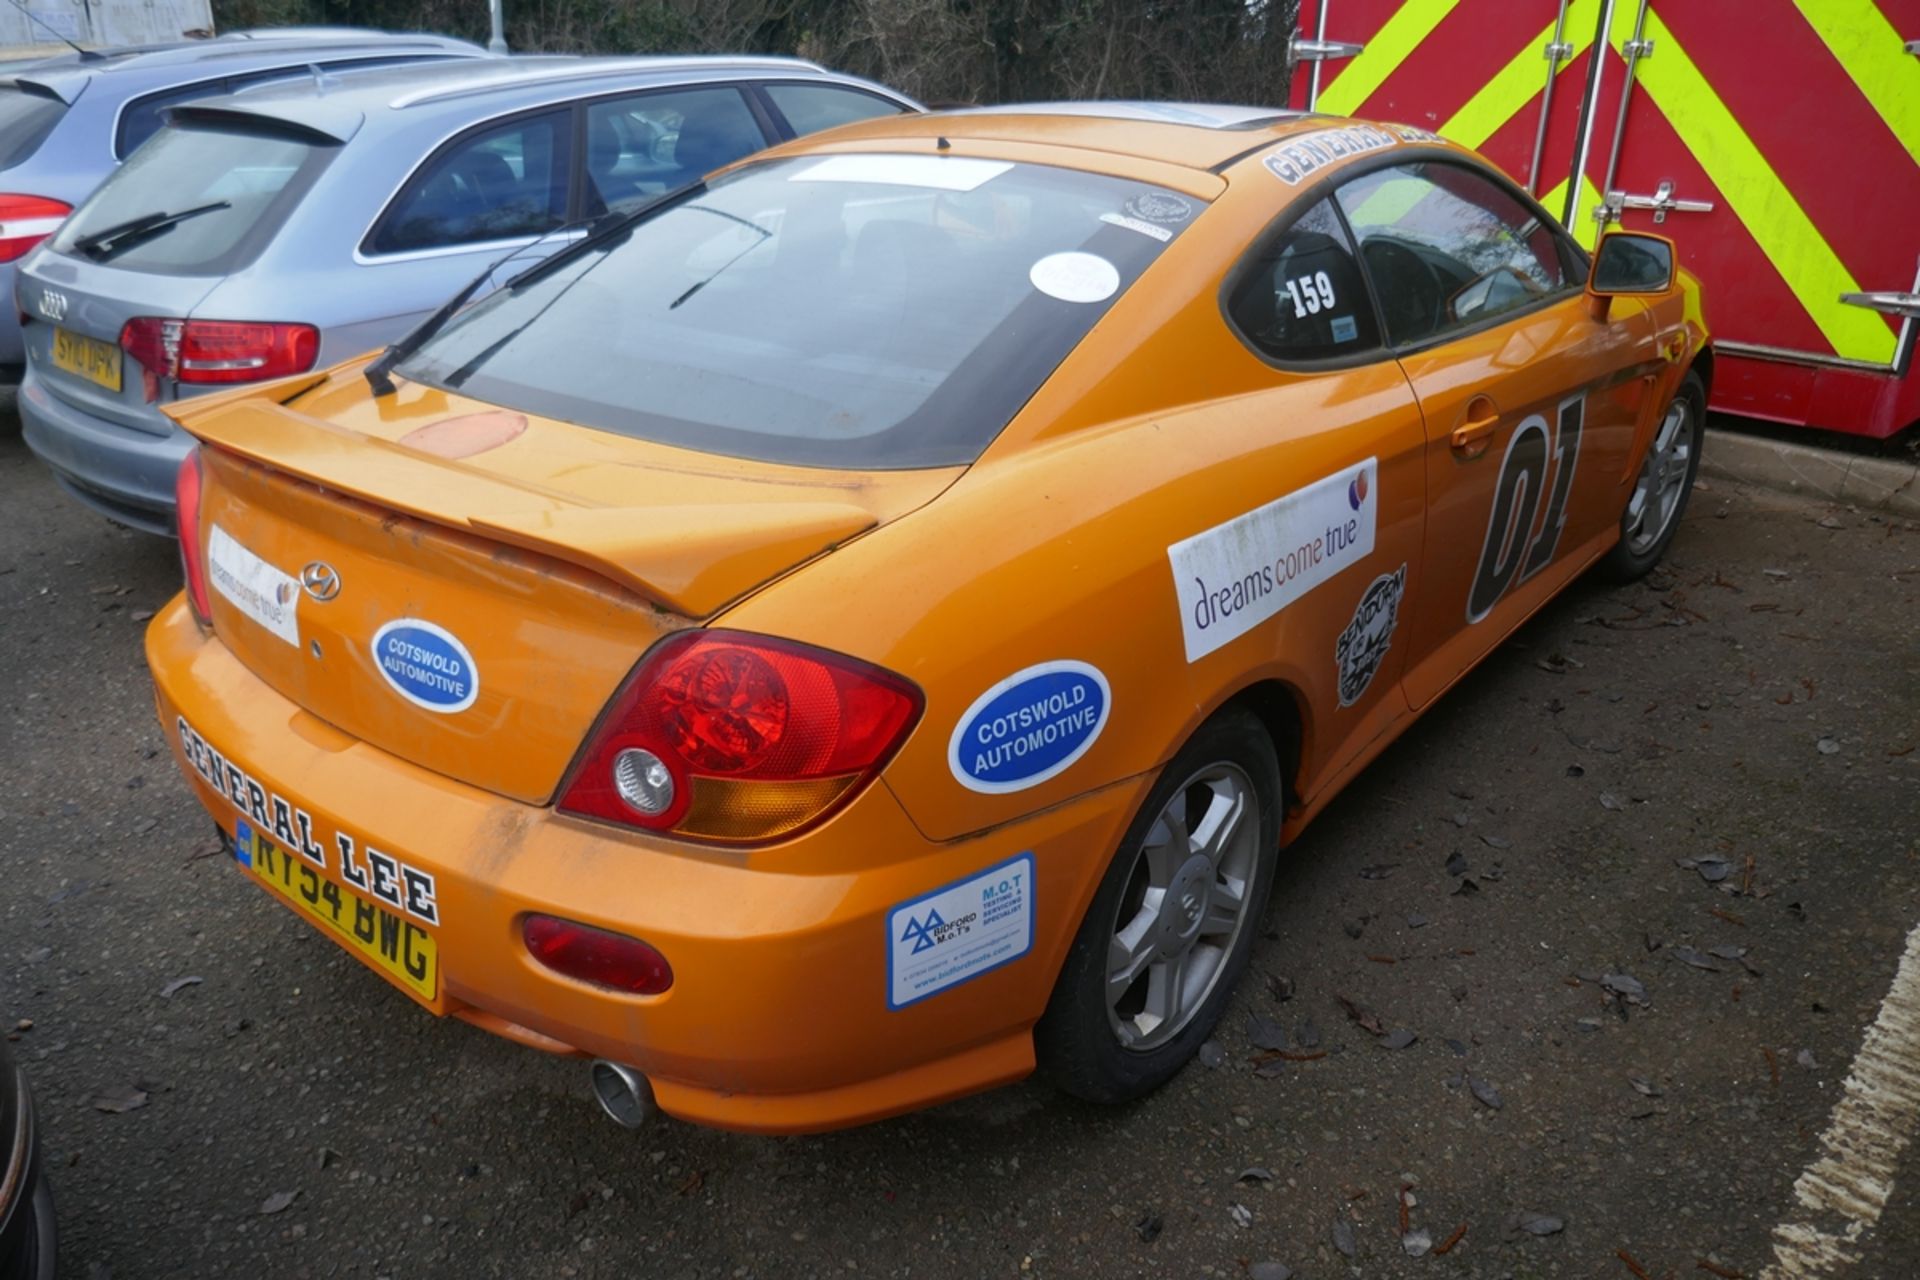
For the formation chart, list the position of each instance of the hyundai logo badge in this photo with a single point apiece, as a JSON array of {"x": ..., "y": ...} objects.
[{"x": 321, "y": 581}]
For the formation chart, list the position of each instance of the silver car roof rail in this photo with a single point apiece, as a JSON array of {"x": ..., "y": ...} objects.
[
  {"x": 218, "y": 50},
  {"x": 489, "y": 76}
]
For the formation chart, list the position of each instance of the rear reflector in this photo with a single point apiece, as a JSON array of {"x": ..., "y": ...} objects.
[
  {"x": 604, "y": 959},
  {"x": 27, "y": 220},
  {"x": 757, "y": 738},
  {"x": 217, "y": 351},
  {"x": 186, "y": 506}
]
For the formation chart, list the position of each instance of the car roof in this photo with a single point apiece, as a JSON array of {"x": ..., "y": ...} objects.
[
  {"x": 327, "y": 105},
  {"x": 1190, "y": 135},
  {"x": 145, "y": 66}
]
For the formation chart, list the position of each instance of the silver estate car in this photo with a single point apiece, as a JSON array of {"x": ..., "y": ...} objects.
[
  {"x": 66, "y": 121},
  {"x": 272, "y": 232}
]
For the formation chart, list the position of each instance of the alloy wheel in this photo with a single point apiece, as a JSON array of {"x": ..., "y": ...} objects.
[{"x": 1184, "y": 906}]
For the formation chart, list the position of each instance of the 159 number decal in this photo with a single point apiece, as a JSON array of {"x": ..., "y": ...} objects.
[
  {"x": 1506, "y": 557},
  {"x": 1311, "y": 294}
]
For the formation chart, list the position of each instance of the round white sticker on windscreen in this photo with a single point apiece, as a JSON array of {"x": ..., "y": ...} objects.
[{"x": 1075, "y": 277}]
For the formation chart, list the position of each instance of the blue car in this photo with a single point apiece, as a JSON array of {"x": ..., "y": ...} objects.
[
  {"x": 289, "y": 228},
  {"x": 67, "y": 121}
]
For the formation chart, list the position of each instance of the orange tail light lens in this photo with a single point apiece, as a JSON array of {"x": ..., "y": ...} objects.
[{"x": 735, "y": 738}]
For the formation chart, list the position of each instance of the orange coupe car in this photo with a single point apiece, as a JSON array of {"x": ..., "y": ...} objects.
[{"x": 847, "y": 632}]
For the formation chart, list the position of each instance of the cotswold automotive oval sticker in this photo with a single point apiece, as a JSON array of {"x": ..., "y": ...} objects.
[
  {"x": 1030, "y": 727},
  {"x": 1362, "y": 647},
  {"x": 427, "y": 665}
]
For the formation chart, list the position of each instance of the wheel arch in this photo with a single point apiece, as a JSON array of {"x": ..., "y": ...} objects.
[
  {"x": 1281, "y": 709},
  {"x": 1703, "y": 365}
]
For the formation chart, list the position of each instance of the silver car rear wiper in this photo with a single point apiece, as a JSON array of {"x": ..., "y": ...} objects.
[{"x": 103, "y": 244}]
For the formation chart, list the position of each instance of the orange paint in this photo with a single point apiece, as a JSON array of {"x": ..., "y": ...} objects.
[{"x": 556, "y": 556}]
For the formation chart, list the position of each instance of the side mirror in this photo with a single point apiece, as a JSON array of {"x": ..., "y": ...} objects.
[{"x": 1628, "y": 262}]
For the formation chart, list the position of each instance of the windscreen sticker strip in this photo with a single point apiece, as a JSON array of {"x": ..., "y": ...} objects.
[
  {"x": 1134, "y": 224},
  {"x": 940, "y": 173}
]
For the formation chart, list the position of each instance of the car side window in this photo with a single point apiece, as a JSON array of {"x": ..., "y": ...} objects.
[
  {"x": 1448, "y": 247},
  {"x": 644, "y": 146},
  {"x": 500, "y": 183},
  {"x": 812, "y": 107},
  {"x": 1301, "y": 295}
]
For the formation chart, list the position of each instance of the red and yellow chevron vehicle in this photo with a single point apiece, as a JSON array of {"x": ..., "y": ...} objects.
[
  {"x": 853, "y": 629},
  {"x": 1776, "y": 141}
]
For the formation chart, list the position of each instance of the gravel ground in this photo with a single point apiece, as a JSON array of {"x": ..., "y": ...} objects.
[{"x": 1756, "y": 702}]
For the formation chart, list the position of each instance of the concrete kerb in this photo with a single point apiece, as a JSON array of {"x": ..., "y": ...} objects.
[{"x": 1872, "y": 484}]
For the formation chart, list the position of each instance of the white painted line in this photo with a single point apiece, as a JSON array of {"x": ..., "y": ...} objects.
[{"x": 1846, "y": 1189}]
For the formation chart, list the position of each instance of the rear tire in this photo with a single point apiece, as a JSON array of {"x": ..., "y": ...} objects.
[
  {"x": 1172, "y": 925},
  {"x": 1660, "y": 493}
]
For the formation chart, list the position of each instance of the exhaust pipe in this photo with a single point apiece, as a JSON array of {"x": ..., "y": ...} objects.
[{"x": 624, "y": 1094}]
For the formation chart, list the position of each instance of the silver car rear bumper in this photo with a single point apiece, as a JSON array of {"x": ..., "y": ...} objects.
[{"x": 125, "y": 474}]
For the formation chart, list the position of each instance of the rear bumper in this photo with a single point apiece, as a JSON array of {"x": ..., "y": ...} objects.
[
  {"x": 125, "y": 474},
  {"x": 781, "y": 1016}
]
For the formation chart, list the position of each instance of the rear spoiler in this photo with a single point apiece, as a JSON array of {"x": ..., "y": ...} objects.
[
  {"x": 690, "y": 559},
  {"x": 57, "y": 88},
  {"x": 325, "y": 123}
]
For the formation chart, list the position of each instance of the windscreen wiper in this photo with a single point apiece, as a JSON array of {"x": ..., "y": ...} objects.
[
  {"x": 379, "y": 374},
  {"x": 103, "y": 244}
]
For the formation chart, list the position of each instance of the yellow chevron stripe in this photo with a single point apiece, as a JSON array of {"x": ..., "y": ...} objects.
[
  {"x": 1517, "y": 83},
  {"x": 1758, "y": 198},
  {"x": 1411, "y": 23},
  {"x": 1583, "y": 229},
  {"x": 1867, "y": 45}
]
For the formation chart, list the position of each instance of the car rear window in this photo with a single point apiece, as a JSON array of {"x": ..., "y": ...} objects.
[
  {"x": 26, "y": 118},
  {"x": 869, "y": 312},
  {"x": 259, "y": 173}
]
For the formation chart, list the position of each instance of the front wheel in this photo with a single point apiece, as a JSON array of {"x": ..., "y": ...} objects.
[
  {"x": 1660, "y": 492},
  {"x": 1174, "y": 919}
]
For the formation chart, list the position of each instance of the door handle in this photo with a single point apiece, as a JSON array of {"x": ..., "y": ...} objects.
[{"x": 1470, "y": 438}]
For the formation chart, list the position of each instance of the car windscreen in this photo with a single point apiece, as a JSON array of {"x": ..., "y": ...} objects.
[
  {"x": 26, "y": 118},
  {"x": 241, "y": 179},
  {"x": 867, "y": 312}
]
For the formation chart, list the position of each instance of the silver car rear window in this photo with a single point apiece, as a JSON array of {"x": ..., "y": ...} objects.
[
  {"x": 257, "y": 174},
  {"x": 870, "y": 312},
  {"x": 26, "y": 118}
]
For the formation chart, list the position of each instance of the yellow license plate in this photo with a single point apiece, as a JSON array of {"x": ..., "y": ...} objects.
[
  {"x": 96, "y": 361},
  {"x": 392, "y": 943}
]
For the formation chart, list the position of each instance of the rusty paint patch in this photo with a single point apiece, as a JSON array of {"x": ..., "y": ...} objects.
[{"x": 466, "y": 435}]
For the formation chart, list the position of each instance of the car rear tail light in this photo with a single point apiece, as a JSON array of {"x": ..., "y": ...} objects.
[
  {"x": 736, "y": 739},
  {"x": 27, "y": 220},
  {"x": 217, "y": 351},
  {"x": 186, "y": 499},
  {"x": 593, "y": 955}
]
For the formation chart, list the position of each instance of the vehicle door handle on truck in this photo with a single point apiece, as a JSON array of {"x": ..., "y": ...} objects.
[{"x": 1471, "y": 437}]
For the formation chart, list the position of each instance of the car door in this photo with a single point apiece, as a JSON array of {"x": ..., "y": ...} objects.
[
  {"x": 1328, "y": 541},
  {"x": 1529, "y": 401}
]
